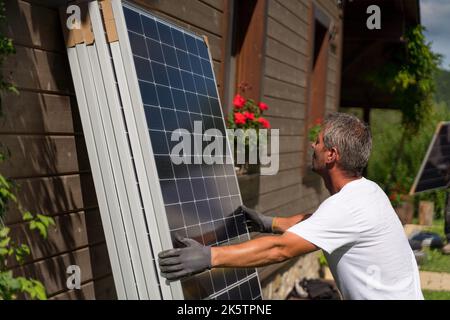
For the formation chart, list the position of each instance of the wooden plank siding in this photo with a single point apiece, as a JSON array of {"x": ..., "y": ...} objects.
[
  {"x": 286, "y": 90},
  {"x": 42, "y": 129},
  {"x": 49, "y": 163}
]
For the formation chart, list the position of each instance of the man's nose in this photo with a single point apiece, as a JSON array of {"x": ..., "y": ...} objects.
[{"x": 313, "y": 144}]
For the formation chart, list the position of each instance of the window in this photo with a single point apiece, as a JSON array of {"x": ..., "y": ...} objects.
[
  {"x": 319, "y": 65},
  {"x": 247, "y": 31}
]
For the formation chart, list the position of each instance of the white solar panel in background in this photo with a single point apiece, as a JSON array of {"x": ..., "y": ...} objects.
[{"x": 434, "y": 173}]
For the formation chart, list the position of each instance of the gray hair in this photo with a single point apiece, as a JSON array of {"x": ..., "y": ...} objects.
[{"x": 352, "y": 139}]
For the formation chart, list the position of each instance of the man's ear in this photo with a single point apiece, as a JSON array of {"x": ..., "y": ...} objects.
[{"x": 332, "y": 155}]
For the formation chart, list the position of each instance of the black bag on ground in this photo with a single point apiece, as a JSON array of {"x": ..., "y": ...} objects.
[{"x": 428, "y": 239}]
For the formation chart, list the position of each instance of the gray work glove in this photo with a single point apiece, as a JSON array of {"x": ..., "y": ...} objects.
[
  {"x": 183, "y": 262},
  {"x": 256, "y": 222}
]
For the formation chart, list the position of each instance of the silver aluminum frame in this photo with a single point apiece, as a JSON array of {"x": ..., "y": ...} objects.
[
  {"x": 425, "y": 159},
  {"x": 143, "y": 142},
  {"x": 101, "y": 171},
  {"x": 94, "y": 161},
  {"x": 141, "y": 145},
  {"x": 134, "y": 235},
  {"x": 112, "y": 167},
  {"x": 133, "y": 215}
]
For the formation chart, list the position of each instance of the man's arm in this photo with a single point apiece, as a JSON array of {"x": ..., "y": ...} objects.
[
  {"x": 268, "y": 224},
  {"x": 261, "y": 251},
  {"x": 179, "y": 263},
  {"x": 281, "y": 224}
]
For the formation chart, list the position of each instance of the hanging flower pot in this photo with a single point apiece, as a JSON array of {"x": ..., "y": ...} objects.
[{"x": 247, "y": 115}]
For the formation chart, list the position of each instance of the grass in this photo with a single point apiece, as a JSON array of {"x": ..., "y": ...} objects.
[
  {"x": 437, "y": 227},
  {"x": 436, "y": 295},
  {"x": 436, "y": 261}
]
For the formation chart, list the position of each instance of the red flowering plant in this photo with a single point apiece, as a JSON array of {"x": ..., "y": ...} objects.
[
  {"x": 247, "y": 114},
  {"x": 398, "y": 194}
]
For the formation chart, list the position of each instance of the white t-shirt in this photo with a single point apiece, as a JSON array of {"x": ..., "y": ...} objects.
[{"x": 364, "y": 243}]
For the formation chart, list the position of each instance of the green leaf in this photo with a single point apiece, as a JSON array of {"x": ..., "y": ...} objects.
[
  {"x": 39, "y": 290},
  {"x": 5, "y": 242},
  {"x": 46, "y": 220},
  {"x": 27, "y": 216},
  {"x": 21, "y": 252},
  {"x": 4, "y": 232},
  {"x": 33, "y": 288},
  {"x": 33, "y": 225},
  {"x": 3, "y": 251},
  {"x": 12, "y": 88},
  {"x": 41, "y": 228}
]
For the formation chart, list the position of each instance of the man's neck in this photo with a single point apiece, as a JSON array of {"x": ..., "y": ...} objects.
[{"x": 335, "y": 181}]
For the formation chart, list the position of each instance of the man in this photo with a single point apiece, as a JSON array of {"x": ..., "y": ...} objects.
[{"x": 356, "y": 227}]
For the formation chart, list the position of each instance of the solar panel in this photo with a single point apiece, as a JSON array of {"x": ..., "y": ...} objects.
[
  {"x": 434, "y": 172},
  {"x": 178, "y": 90},
  {"x": 111, "y": 159}
]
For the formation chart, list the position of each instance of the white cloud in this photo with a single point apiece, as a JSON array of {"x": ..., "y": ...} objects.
[{"x": 435, "y": 15}]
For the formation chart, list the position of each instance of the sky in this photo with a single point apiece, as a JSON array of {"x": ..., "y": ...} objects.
[{"x": 435, "y": 16}]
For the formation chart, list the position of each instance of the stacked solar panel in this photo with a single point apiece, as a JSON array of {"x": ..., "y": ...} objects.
[{"x": 178, "y": 91}]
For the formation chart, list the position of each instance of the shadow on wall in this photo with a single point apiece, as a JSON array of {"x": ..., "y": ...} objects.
[
  {"x": 42, "y": 130},
  {"x": 249, "y": 187}
]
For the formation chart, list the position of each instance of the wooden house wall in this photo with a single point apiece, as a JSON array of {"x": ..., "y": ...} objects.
[
  {"x": 49, "y": 161},
  {"x": 294, "y": 189}
]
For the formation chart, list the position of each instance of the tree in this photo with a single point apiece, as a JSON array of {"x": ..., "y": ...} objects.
[{"x": 410, "y": 79}]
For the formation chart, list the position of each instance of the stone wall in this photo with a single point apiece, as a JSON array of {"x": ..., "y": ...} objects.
[{"x": 278, "y": 286}]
